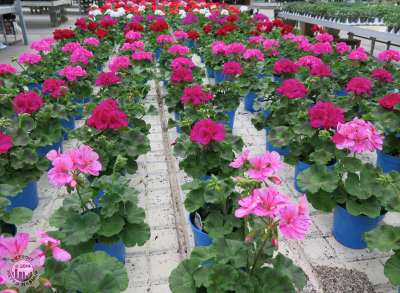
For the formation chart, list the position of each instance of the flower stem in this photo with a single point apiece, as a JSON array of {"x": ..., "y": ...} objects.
[{"x": 258, "y": 254}]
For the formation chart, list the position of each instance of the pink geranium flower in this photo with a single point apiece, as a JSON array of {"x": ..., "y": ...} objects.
[
  {"x": 142, "y": 56},
  {"x": 7, "y": 69},
  {"x": 43, "y": 45},
  {"x": 322, "y": 48},
  {"x": 294, "y": 220},
  {"x": 107, "y": 115},
  {"x": 325, "y": 115},
  {"x": 235, "y": 48},
  {"x": 164, "y": 39},
  {"x": 180, "y": 34},
  {"x": 119, "y": 62},
  {"x": 107, "y": 79},
  {"x": 206, "y": 130},
  {"x": 132, "y": 36},
  {"x": 182, "y": 61},
  {"x": 247, "y": 206},
  {"x": 56, "y": 88},
  {"x": 342, "y": 48},
  {"x": 29, "y": 58},
  {"x": 285, "y": 66},
  {"x": 255, "y": 54},
  {"x": 358, "y": 54},
  {"x": 12, "y": 247},
  {"x": 389, "y": 55},
  {"x": 178, "y": 50},
  {"x": 6, "y": 142},
  {"x": 72, "y": 72},
  {"x": 218, "y": 47},
  {"x": 232, "y": 68},
  {"x": 264, "y": 166},
  {"x": 309, "y": 61},
  {"x": 61, "y": 172},
  {"x": 27, "y": 102},
  {"x": 240, "y": 160},
  {"x": 196, "y": 95},
  {"x": 358, "y": 136},
  {"x": 86, "y": 160},
  {"x": 292, "y": 89},
  {"x": 53, "y": 244},
  {"x": 70, "y": 47},
  {"x": 91, "y": 41},
  {"x": 81, "y": 55},
  {"x": 390, "y": 101},
  {"x": 181, "y": 74},
  {"x": 324, "y": 37},
  {"x": 381, "y": 74},
  {"x": 321, "y": 70},
  {"x": 270, "y": 201},
  {"x": 359, "y": 86}
]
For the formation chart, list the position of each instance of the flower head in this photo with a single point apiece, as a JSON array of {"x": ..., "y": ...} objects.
[
  {"x": 27, "y": 102},
  {"x": 324, "y": 37},
  {"x": 81, "y": 55},
  {"x": 325, "y": 115},
  {"x": 357, "y": 136},
  {"x": 91, "y": 41},
  {"x": 235, "y": 48},
  {"x": 255, "y": 54},
  {"x": 29, "y": 58},
  {"x": 70, "y": 47},
  {"x": 240, "y": 160},
  {"x": 206, "y": 130},
  {"x": 107, "y": 79},
  {"x": 196, "y": 95},
  {"x": 342, "y": 48},
  {"x": 232, "y": 68},
  {"x": 178, "y": 50},
  {"x": 358, "y": 54},
  {"x": 285, "y": 66},
  {"x": 264, "y": 166},
  {"x": 381, "y": 74},
  {"x": 7, "y": 69},
  {"x": 359, "y": 86},
  {"x": 142, "y": 56},
  {"x": 56, "y": 88},
  {"x": 72, "y": 72},
  {"x": 6, "y": 142},
  {"x": 119, "y": 62},
  {"x": 390, "y": 101},
  {"x": 389, "y": 55},
  {"x": 107, "y": 115},
  {"x": 292, "y": 89},
  {"x": 43, "y": 45}
]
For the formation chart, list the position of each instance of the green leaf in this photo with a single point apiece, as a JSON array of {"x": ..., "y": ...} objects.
[
  {"x": 322, "y": 200},
  {"x": 134, "y": 214},
  {"x": 18, "y": 216},
  {"x": 286, "y": 267},
  {"x": 81, "y": 228},
  {"x": 217, "y": 225},
  {"x": 26, "y": 122},
  {"x": 370, "y": 207},
  {"x": 384, "y": 237},
  {"x": 317, "y": 178},
  {"x": 321, "y": 156},
  {"x": 181, "y": 280},
  {"x": 111, "y": 226},
  {"x": 135, "y": 234},
  {"x": 9, "y": 190},
  {"x": 392, "y": 269},
  {"x": 353, "y": 186},
  {"x": 351, "y": 164},
  {"x": 21, "y": 138}
]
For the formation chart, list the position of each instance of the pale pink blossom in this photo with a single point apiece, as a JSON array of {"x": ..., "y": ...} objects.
[
  {"x": 53, "y": 244},
  {"x": 43, "y": 45},
  {"x": 11, "y": 247},
  {"x": 240, "y": 160},
  {"x": 91, "y": 41},
  {"x": 270, "y": 201},
  {"x": 264, "y": 166},
  {"x": 179, "y": 34},
  {"x": 72, "y": 72},
  {"x": 70, "y": 47},
  {"x": 85, "y": 160},
  {"x": 61, "y": 172},
  {"x": 247, "y": 205},
  {"x": 253, "y": 53}
]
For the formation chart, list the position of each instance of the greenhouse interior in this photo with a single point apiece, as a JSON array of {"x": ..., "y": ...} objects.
[{"x": 243, "y": 146}]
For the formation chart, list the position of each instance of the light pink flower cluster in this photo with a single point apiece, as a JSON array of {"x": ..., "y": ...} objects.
[
  {"x": 68, "y": 165},
  {"x": 142, "y": 56},
  {"x": 43, "y": 45},
  {"x": 359, "y": 86},
  {"x": 134, "y": 46},
  {"x": 260, "y": 168},
  {"x": 13, "y": 247},
  {"x": 178, "y": 50},
  {"x": 381, "y": 74},
  {"x": 7, "y": 69},
  {"x": 196, "y": 95},
  {"x": 389, "y": 55},
  {"x": 56, "y": 88},
  {"x": 322, "y": 48},
  {"x": 254, "y": 54},
  {"x": 91, "y": 41},
  {"x": 358, "y": 136},
  {"x": 182, "y": 61},
  {"x": 119, "y": 62},
  {"x": 218, "y": 48},
  {"x": 164, "y": 39},
  {"x": 271, "y": 46},
  {"x": 342, "y": 48},
  {"x": 235, "y": 48},
  {"x": 81, "y": 55},
  {"x": 206, "y": 131},
  {"x": 29, "y": 58},
  {"x": 293, "y": 220},
  {"x": 292, "y": 89},
  {"x": 358, "y": 54},
  {"x": 232, "y": 68},
  {"x": 72, "y": 73},
  {"x": 70, "y": 47},
  {"x": 180, "y": 34},
  {"x": 132, "y": 36}
]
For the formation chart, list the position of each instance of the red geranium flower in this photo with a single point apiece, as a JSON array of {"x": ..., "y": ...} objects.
[
  {"x": 101, "y": 34},
  {"x": 390, "y": 101},
  {"x": 66, "y": 33},
  {"x": 193, "y": 35}
]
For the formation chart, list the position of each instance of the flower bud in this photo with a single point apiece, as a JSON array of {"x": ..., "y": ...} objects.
[{"x": 274, "y": 242}]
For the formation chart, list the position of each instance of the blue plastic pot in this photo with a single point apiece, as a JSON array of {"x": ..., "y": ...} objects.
[
  {"x": 34, "y": 86},
  {"x": 27, "y": 198},
  {"x": 277, "y": 78},
  {"x": 81, "y": 101},
  {"x": 349, "y": 230},
  {"x": 341, "y": 93},
  {"x": 387, "y": 162},
  {"x": 190, "y": 43},
  {"x": 219, "y": 76},
  {"x": 210, "y": 72},
  {"x": 283, "y": 151},
  {"x": 42, "y": 151},
  {"x": 99, "y": 67},
  {"x": 67, "y": 124},
  {"x": 249, "y": 101},
  {"x": 177, "y": 116},
  {"x": 116, "y": 249},
  {"x": 157, "y": 53},
  {"x": 231, "y": 119},
  {"x": 200, "y": 238},
  {"x": 98, "y": 197},
  {"x": 205, "y": 178}
]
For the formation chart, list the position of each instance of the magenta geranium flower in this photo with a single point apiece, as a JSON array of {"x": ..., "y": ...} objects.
[
  {"x": 292, "y": 89},
  {"x": 342, "y": 48},
  {"x": 182, "y": 61},
  {"x": 264, "y": 166},
  {"x": 381, "y": 74},
  {"x": 27, "y": 102},
  {"x": 72, "y": 72},
  {"x": 43, "y": 45},
  {"x": 218, "y": 47},
  {"x": 358, "y": 136},
  {"x": 325, "y": 115},
  {"x": 358, "y": 54},
  {"x": 196, "y": 95},
  {"x": 321, "y": 70},
  {"x": 389, "y": 55},
  {"x": 324, "y": 37},
  {"x": 309, "y": 61},
  {"x": 322, "y": 48},
  {"x": 119, "y": 62},
  {"x": 7, "y": 69},
  {"x": 142, "y": 56},
  {"x": 390, "y": 101},
  {"x": 206, "y": 130},
  {"x": 70, "y": 47},
  {"x": 81, "y": 55},
  {"x": 6, "y": 142},
  {"x": 107, "y": 79},
  {"x": 359, "y": 86},
  {"x": 91, "y": 41},
  {"x": 164, "y": 39},
  {"x": 181, "y": 74},
  {"x": 270, "y": 201},
  {"x": 107, "y": 115},
  {"x": 235, "y": 48},
  {"x": 178, "y": 50},
  {"x": 285, "y": 66},
  {"x": 255, "y": 54},
  {"x": 54, "y": 87},
  {"x": 29, "y": 58},
  {"x": 132, "y": 36},
  {"x": 232, "y": 68},
  {"x": 180, "y": 34}
]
